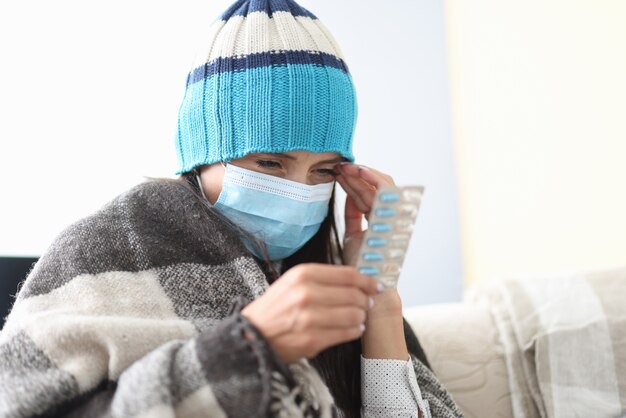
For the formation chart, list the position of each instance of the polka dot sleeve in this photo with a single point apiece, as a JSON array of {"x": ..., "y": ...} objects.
[{"x": 389, "y": 389}]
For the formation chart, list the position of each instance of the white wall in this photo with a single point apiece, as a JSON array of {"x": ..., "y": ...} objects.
[
  {"x": 90, "y": 94},
  {"x": 539, "y": 103}
]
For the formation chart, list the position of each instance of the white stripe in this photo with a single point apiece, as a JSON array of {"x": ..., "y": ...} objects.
[
  {"x": 259, "y": 33},
  {"x": 158, "y": 411},
  {"x": 311, "y": 26},
  {"x": 199, "y": 403},
  {"x": 95, "y": 326},
  {"x": 571, "y": 303},
  {"x": 205, "y": 48}
]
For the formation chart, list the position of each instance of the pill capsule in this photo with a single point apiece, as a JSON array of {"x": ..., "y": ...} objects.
[
  {"x": 376, "y": 242},
  {"x": 389, "y": 197},
  {"x": 395, "y": 254},
  {"x": 369, "y": 271},
  {"x": 412, "y": 195},
  {"x": 392, "y": 268},
  {"x": 380, "y": 227},
  {"x": 400, "y": 241},
  {"x": 404, "y": 225},
  {"x": 373, "y": 256},
  {"x": 388, "y": 281},
  {"x": 408, "y": 210},
  {"x": 385, "y": 212}
]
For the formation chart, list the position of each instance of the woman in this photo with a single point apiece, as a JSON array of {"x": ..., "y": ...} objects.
[{"x": 226, "y": 292}]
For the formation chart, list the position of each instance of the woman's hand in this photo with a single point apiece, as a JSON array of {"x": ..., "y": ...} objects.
[
  {"x": 360, "y": 184},
  {"x": 312, "y": 307},
  {"x": 384, "y": 337}
]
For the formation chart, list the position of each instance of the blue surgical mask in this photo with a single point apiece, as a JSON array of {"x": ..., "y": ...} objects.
[{"x": 282, "y": 213}]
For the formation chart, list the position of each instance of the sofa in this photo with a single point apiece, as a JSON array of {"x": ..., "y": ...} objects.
[
  {"x": 462, "y": 344},
  {"x": 551, "y": 346}
]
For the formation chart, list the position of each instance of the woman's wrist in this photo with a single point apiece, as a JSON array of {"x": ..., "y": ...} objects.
[
  {"x": 384, "y": 328},
  {"x": 387, "y": 305}
]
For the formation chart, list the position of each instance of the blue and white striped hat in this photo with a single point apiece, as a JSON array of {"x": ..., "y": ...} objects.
[{"x": 271, "y": 79}]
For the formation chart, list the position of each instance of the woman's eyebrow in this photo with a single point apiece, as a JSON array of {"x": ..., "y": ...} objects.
[
  {"x": 291, "y": 157},
  {"x": 280, "y": 154},
  {"x": 334, "y": 160}
]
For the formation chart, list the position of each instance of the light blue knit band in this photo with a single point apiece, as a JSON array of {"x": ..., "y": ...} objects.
[{"x": 267, "y": 109}]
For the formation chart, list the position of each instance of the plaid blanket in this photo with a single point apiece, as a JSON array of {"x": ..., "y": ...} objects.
[
  {"x": 134, "y": 311},
  {"x": 565, "y": 344}
]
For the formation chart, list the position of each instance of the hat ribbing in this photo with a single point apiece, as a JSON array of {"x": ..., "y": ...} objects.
[{"x": 273, "y": 79}]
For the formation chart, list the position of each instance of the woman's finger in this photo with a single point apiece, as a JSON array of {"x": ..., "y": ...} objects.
[
  {"x": 293, "y": 346},
  {"x": 349, "y": 180},
  {"x": 343, "y": 317},
  {"x": 353, "y": 217},
  {"x": 363, "y": 190},
  {"x": 334, "y": 336},
  {"x": 364, "y": 208},
  {"x": 375, "y": 177},
  {"x": 339, "y": 296},
  {"x": 366, "y": 191},
  {"x": 334, "y": 275},
  {"x": 369, "y": 174}
]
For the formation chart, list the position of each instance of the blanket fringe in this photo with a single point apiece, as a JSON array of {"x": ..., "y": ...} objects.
[{"x": 310, "y": 398}]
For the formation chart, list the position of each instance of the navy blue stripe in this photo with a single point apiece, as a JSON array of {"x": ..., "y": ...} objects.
[
  {"x": 244, "y": 7},
  {"x": 265, "y": 59}
]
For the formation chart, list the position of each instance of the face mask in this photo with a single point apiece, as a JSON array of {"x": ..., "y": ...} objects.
[{"x": 283, "y": 213}]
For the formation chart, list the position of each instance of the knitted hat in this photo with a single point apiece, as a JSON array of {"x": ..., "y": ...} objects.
[{"x": 272, "y": 79}]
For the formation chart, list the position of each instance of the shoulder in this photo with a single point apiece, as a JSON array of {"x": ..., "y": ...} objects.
[
  {"x": 150, "y": 203},
  {"x": 155, "y": 193},
  {"x": 154, "y": 224},
  {"x": 164, "y": 211},
  {"x": 164, "y": 204},
  {"x": 173, "y": 208}
]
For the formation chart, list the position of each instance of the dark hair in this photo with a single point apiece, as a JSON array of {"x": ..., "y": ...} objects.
[{"x": 339, "y": 366}]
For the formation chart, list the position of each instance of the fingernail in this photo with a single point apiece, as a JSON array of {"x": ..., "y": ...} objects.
[
  {"x": 344, "y": 163},
  {"x": 380, "y": 288},
  {"x": 371, "y": 302},
  {"x": 362, "y": 327}
]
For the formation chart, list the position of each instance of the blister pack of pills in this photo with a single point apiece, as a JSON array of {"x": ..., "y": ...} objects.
[{"x": 390, "y": 226}]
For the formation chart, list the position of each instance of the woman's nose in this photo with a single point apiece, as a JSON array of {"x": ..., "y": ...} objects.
[{"x": 301, "y": 177}]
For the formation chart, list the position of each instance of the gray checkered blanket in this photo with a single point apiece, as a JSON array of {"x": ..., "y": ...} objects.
[
  {"x": 134, "y": 311},
  {"x": 565, "y": 344}
]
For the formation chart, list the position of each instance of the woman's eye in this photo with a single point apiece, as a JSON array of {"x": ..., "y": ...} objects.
[
  {"x": 328, "y": 172},
  {"x": 267, "y": 164}
]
